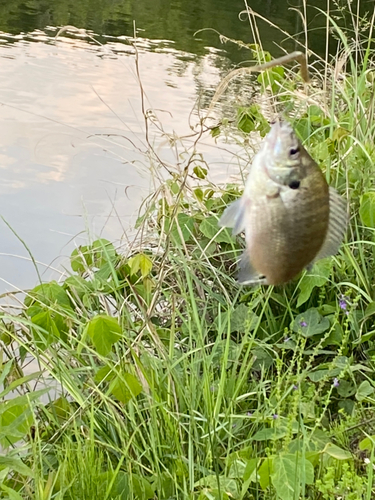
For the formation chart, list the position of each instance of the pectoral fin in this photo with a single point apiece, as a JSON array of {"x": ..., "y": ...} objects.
[
  {"x": 234, "y": 216},
  {"x": 247, "y": 274},
  {"x": 337, "y": 225}
]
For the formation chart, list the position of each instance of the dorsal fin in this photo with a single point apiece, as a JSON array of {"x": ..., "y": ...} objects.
[{"x": 337, "y": 225}]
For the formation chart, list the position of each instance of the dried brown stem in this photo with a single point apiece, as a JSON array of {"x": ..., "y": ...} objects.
[{"x": 294, "y": 56}]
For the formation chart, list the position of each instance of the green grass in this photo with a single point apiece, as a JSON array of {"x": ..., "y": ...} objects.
[{"x": 175, "y": 382}]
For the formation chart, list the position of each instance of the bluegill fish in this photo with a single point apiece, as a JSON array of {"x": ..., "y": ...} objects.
[{"x": 290, "y": 216}]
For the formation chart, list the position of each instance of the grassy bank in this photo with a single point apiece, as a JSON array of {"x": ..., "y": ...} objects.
[{"x": 173, "y": 381}]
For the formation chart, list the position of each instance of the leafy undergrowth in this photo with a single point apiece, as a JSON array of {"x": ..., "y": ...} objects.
[{"x": 170, "y": 380}]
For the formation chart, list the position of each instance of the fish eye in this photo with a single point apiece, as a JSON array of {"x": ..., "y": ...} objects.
[
  {"x": 294, "y": 151},
  {"x": 294, "y": 184}
]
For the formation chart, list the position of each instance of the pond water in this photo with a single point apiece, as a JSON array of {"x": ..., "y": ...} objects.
[{"x": 72, "y": 162}]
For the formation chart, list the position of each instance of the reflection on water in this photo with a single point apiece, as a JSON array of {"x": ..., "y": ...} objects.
[
  {"x": 72, "y": 147},
  {"x": 179, "y": 20}
]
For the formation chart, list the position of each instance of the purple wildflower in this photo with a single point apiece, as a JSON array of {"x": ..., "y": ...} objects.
[
  {"x": 275, "y": 416},
  {"x": 303, "y": 323},
  {"x": 336, "y": 382},
  {"x": 249, "y": 414},
  {"x": 295, "y": 387},
  {"x": 343, "y": 303}
]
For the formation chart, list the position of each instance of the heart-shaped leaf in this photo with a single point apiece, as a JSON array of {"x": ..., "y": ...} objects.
[{"x": 310, "y": 323}]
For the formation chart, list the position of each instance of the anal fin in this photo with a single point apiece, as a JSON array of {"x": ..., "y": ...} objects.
[{"x": 247, "y": 274}]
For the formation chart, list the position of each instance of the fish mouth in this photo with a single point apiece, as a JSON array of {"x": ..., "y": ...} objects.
[
  {"x": 276, "y": 137},
  {"x": 278, "y": 129}
]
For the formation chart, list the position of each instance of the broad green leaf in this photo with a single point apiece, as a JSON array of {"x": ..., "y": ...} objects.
[
  {"x": 269, "y": 78},
  {"x": 134, "y": 263},
  {"x": 237, "y": 469},
  {"x": 145, "y": 265},
  {"x": 15, "y": 421},
  {"x": 370, "y": 310},
  {"x": 103, "y": 277},
  {"x": 320, "y": 152},
  {"x": 242, "y": 319},
  {"x": 12, "y": 494},
  {"x": 318, "y": 375},
  {"x": 339, "y": 133},
  {"x": 367, "y": 443},
  {"x": 103, "y": 251},
  {"x": 262, "y": 358},
  {"x": 125, "y": 387},
  {"x": 308, "y": 410},
  {"x": 175, "y": 186},
  {"x": 346, "y": 389},
  {"x": 77, "y": 285},
  {"x": 367, "y": 209},
  {"x": 364, "y": 390},
  {"x": 4, "y": 372},
  {"x": 336, "y": 452},
  {"x": 320, "y": 439},
  {"x": 167, "y": 484},
  {"x": 48, "y": 294},
  {"x": 105, "y": 372},
  {"x": 81, "y": 259},
  {"x": 183, "y": 225},
  {"x": 140, "y": 262},
  {"x": 227, "y": 484},
  {"x": 310, "y": 323},
  {"x": 264, "y": 472},
  {"x": 315, "y": 111},
  {"x": 48, "y": 331},
  {"x": 215, "y": 131},
  {"x": 269, "y": 434},
  {"x": 249, "y": 475},
  {"x": 95, "y": 255},
  {"x": 289, "y": 472},
  {"x": 301, "y": 445},
  {"x": 141, "y": 487},
  {"x": 347, "y": 406},
  {"x": 104, "y": 332},
  {"x": 364, "y": 338},
  {"x": 199, "y": 194},
  {"x": 4, "y": 474},
  {"x": 313, "y": 457},
  {"x": 60, "y": 408},
  {"x": 318, "y": 276},
  {"x": 343, "y": 362},
  {"x": 335, "y": 336},
  {"x": 200, "y": 171},
  {"x": 209, "y": 227},
  {"x": 246, "y": 120},
  {"x": 120, "y": 488},
  {"x": 16, "y": 465}
]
